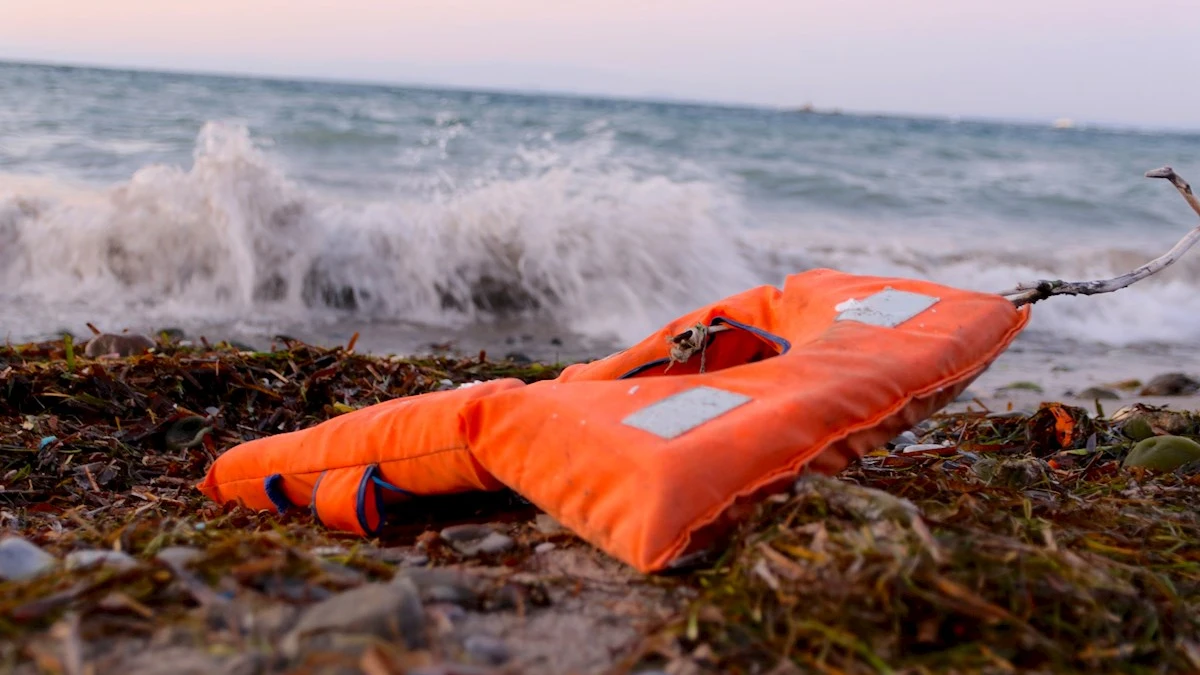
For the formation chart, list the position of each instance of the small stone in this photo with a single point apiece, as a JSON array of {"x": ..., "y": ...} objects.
[
  {"x": 454, "y": 595},
  {"x": 903, "y": 440},
  {"x": 20, "y": 559},
  {"x": 472, "y": 540},
  {"x": 328, "y": 551},
  {"x": 489, "y": 650},
  {"x": 966, "y": 397},
  {"x": 177, "y": 557},
  {"x": 340, "y": 574},
  {"x": 387, "y": 611},
  {"x": 90, "y": 557},
  {"x": 1023, "y": 385},
  {"x": 186, "y": 432},
  {"x": 108, "y": 344},
  {"x": 518, "y": 358},
  {"x": 492, "y": 544},
  {"x": 466, "y": 533},
  {"x": 1163, "y": 453},
  {"x": 1014, "y": 473},
  {"x": 924, "y": 447},
  {"x": 1171, "y": 384},
  {"x": 546, "y": 524},
  {"x": 442, "y": 585},
  {"x": 1094, "y": 393},
  {"x": 1138, "y": 429},
  {"x": 544, "y": 547}
]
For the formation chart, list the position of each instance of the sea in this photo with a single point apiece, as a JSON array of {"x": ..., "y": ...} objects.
[{"x": 550, "y": 226}]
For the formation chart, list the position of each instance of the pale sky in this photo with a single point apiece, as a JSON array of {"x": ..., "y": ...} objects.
[{"x": 1110, "y": 61}]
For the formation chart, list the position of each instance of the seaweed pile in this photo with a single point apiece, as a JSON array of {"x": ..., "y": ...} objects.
[
  {"x": 992, "y": 543},
  {"x": 977, "y": 542}
]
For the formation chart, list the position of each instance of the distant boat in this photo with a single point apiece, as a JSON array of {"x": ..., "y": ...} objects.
[{"x": 1064, "y": 123}]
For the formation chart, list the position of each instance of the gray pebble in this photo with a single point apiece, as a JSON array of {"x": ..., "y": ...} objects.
[
  {"x": 20, "y": 559},
  {"x": 490, "y": 650},
  {"x": 1093, "y": 393},
  {"x": 442, "y": 585},
  {"x": 328, "y": 551},
  {"x": 904, "y": 440},
  {"x": 468, "y": 532},
  {"x": 967, "y": 396},
  {"x": 492, "y": 544},
  {"x": 89, "y": 557},
  {"x": 376, "y": 609},
  {"x": 544, "y": 547},
  {"x": 177, "y": 557},
  {"x": 546, "y": 524},
  {"x": 452, "y": 612},
  {"x": 1171, "y": 384},
  {"x": 455, "y": 595}
]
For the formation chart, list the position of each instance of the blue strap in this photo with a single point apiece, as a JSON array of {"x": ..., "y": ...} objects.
[
  {"x": 361, "y": 503},
  {"x": 273, "y": 485},
  {"x": 784, "y": 345},
  {"x": 313, "y": 505}
]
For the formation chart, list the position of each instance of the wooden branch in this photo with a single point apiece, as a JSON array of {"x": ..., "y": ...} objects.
[{"x": 1029, "y": 293}]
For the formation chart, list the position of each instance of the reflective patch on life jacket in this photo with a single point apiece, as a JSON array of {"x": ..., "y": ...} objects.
[
  {"x": 888, "y": 308},
  {"x": 680, "y": 413}
]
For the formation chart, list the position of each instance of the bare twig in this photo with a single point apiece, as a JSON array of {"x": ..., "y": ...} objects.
[{"x": 1029, "y": 293}]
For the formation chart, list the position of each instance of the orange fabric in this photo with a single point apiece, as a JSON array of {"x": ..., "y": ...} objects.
[
  {"x": 416, "y": 444},
  {"x": 843, "y": 388},
  {"x": 649, "y": 462}
]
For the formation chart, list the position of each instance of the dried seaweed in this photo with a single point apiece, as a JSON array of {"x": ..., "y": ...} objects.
[
  {"x": 978, "y": 556},
  {"x": 999, "y": 543}
]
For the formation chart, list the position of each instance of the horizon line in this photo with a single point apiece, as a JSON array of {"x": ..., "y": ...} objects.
[{"x": 799, "y": 108}]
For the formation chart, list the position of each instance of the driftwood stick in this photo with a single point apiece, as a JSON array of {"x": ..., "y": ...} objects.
[{"x": 1029, "y": 293}]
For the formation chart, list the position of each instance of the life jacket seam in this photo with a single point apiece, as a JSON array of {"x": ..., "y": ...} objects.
[{"x": 349, "y": 466}]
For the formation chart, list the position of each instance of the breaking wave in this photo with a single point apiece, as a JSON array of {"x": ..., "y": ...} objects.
[
  {"x": 232, "y": 239},
  {"x": 598, "y": 251}
]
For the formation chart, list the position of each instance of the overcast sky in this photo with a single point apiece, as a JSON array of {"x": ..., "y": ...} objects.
[{"x": 1111, "y": 61}]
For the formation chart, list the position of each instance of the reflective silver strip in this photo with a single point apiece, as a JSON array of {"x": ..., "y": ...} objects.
[
  {"x": 888, "y": 308},
  {"x": 679, "y": 413}
]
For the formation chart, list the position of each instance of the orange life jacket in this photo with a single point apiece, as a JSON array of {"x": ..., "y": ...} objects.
[
  {"x": 644, "y": 453},
  {"x": 346, "y": 469}
]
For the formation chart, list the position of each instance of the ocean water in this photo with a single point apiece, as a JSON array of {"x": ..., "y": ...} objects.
[{"x": 251, "y": 207}]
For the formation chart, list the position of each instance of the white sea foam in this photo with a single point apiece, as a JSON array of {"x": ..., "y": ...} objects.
[
  {"x": 232, "y": 239},
  {"x": 587, "y": 246}
]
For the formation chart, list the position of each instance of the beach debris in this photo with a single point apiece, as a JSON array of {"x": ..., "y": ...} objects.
[
  {"x": 1031, "y": 292},
  {"x": 472, "y": 540},
  {"x": 1164, "y": 453},
  {"x": 1144, "y": 420},
  {"x": 1022, "y": 385},
  {"x": 903, "y": 562},
  {"x": 91, "y": 557},
  {"x": 1018, "y": 472},
  {"x": 546, "y": 524},
  {"x": 186, "y": 432},
  {"x": 118, "y": 345},
  {"x": 388, "y": 611},
  {"x": 1097, "y": 393},
  {"x": 178, "y": 557},
  {"x": 1171, "y": 384},
  {"x": 486, "y": 649},
  {"x": 1055, "y": 426},
  {"x": 904, "y": 440},
  {"x": 20, "y": 559}
]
